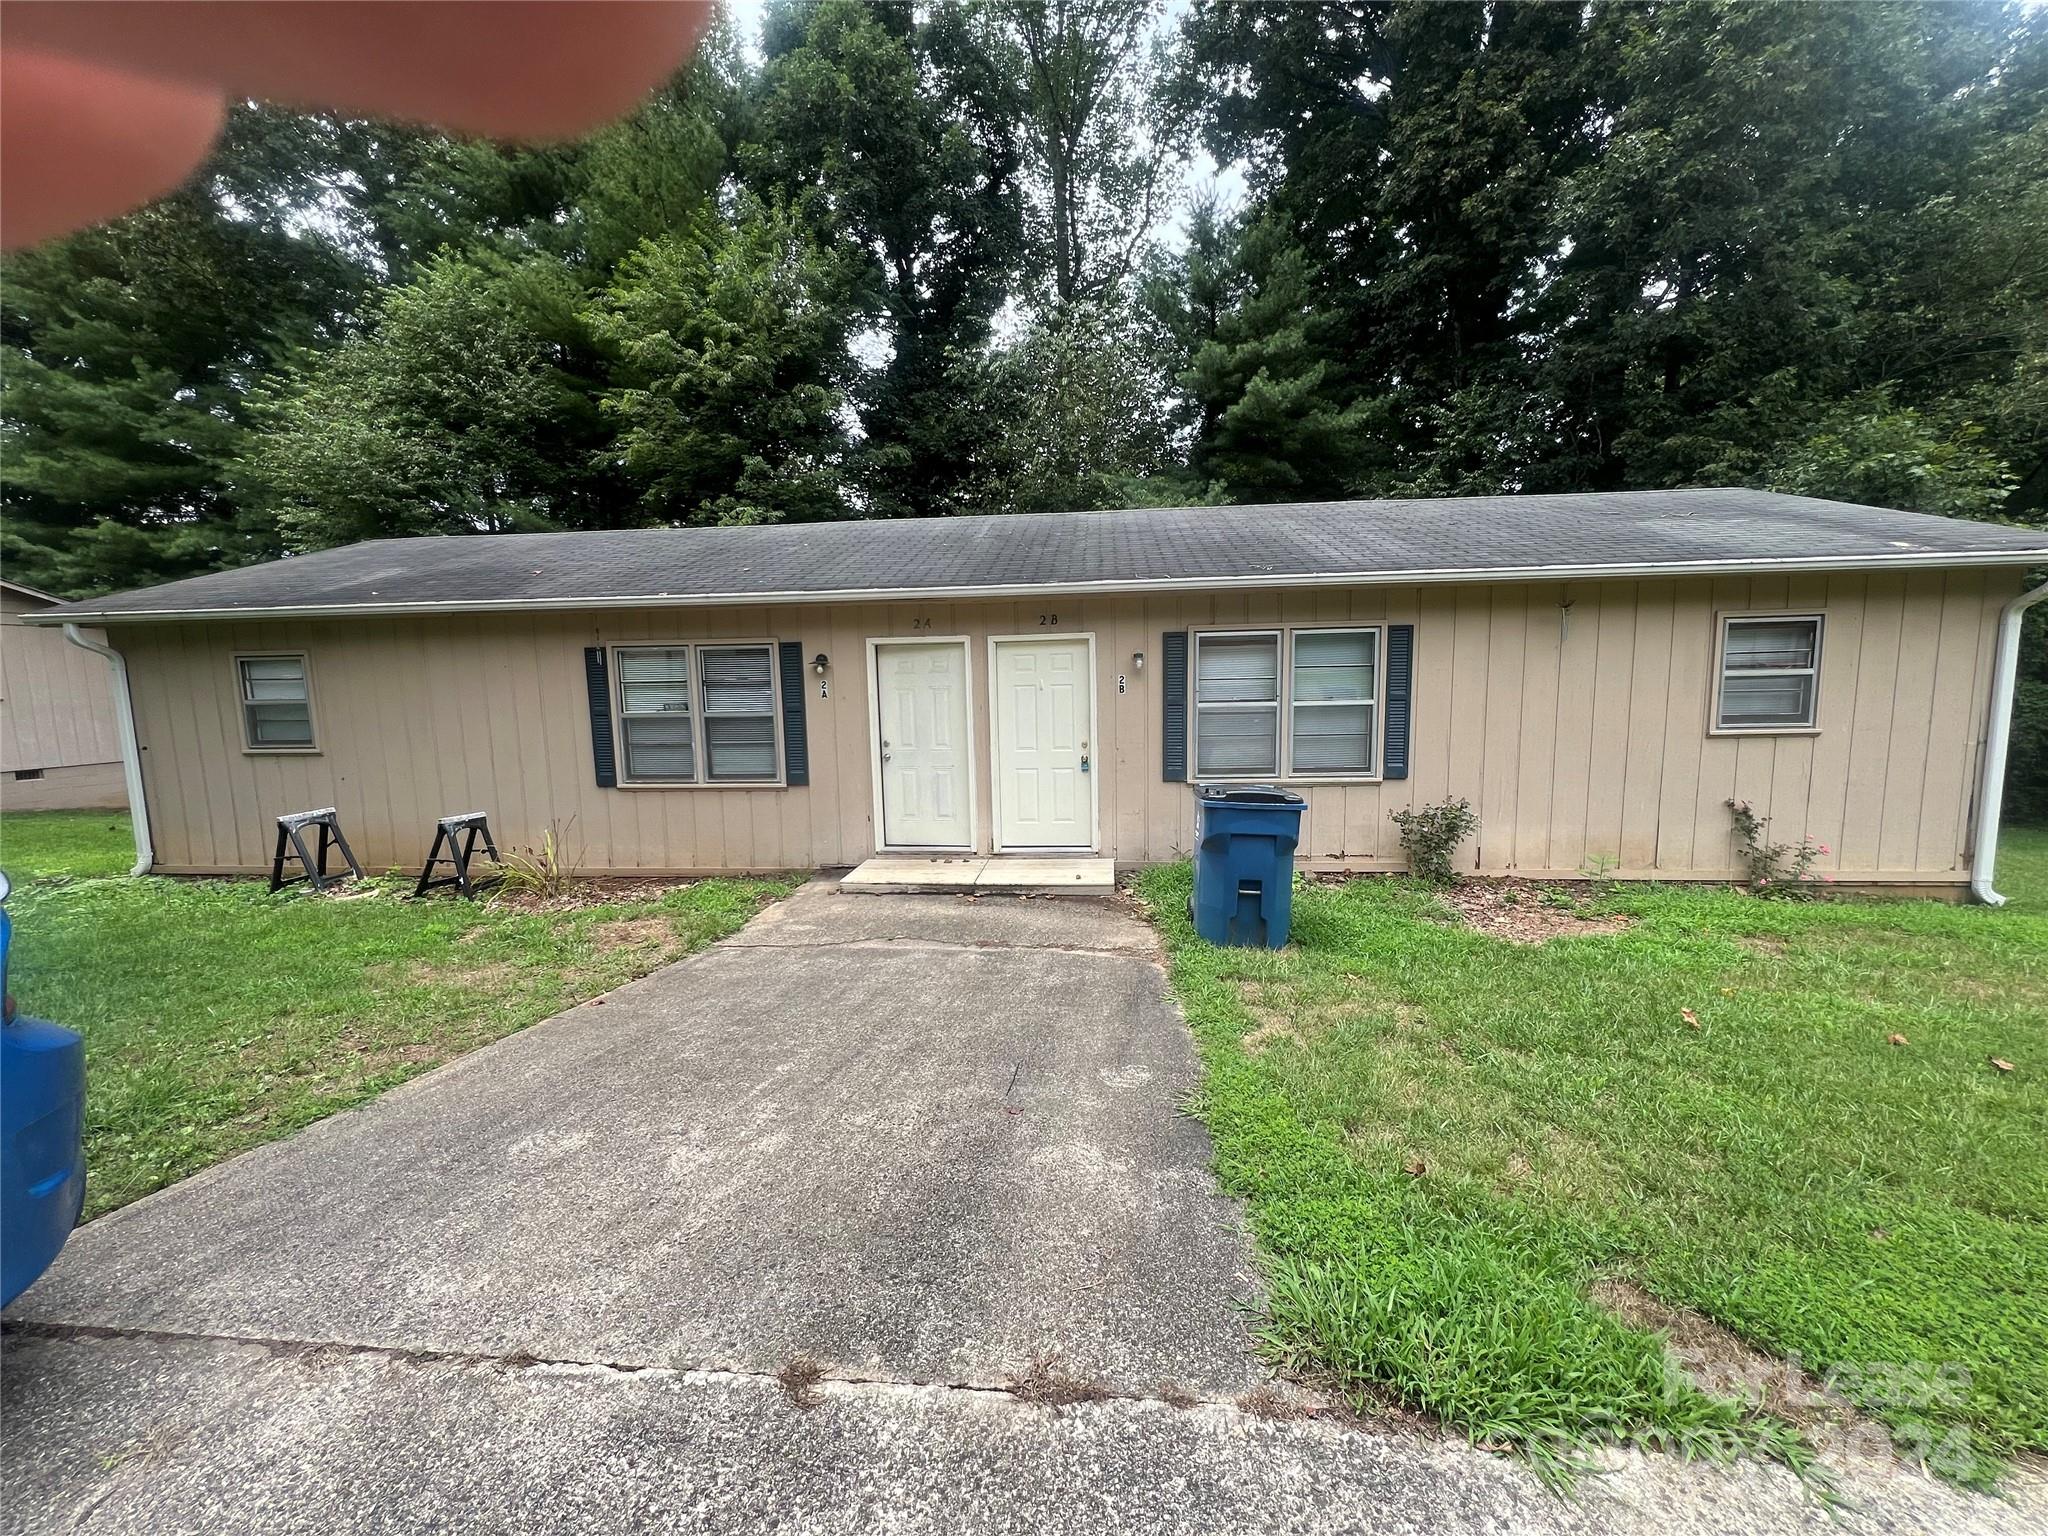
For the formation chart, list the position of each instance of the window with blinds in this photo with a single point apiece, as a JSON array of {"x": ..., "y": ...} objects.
[
  {"x": 739, "y": 712},
  {"x": 697, "y": 714},
  {"x": 277, "y": 704},
  {"x": 1335, "y": 697},
  {"x": 1770, "y": 673},
  {"x": 655, "y": 724},
  {"x": 1307, "y": 699},
  {"x": 1237, "y": 705}
]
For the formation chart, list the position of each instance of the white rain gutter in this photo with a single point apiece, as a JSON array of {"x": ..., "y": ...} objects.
[
  {"x": 1433, "y": 576},
  {"x": 1997, "y": 736},
  {"x": 131, "y": 754}
]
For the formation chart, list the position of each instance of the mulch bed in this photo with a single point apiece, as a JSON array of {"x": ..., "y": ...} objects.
[{"x": 1526, "y": 912}]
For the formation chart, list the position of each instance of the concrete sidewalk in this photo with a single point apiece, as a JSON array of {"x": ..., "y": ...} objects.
[{"x": 162, "y": 1435}]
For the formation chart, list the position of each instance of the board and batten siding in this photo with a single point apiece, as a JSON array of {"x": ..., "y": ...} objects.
[
  {"x": 56, "y": 718},
  {"x": 1573, "y": 716}
]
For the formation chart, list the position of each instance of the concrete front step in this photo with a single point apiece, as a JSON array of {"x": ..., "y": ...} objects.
[{"x": 912, "y": 872}]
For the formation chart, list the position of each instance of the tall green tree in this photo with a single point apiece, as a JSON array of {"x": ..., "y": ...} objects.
[
  {"x": 432, "y": 420},
  {"x": 729, "y": 344},
  {"x": 131, "y": 353},
  {"x": 1186, "y": 291},
  {"x": 1078, "y": 399},
  {"x": 1284, "y": 426},
  {"x": 1413, "y": 149},
  {"x": 1748, "y": 247},
  {"x": 477, "y": 391},
  {"x": 896, "y": 137},
  {"x": 1101, "y": 140}
]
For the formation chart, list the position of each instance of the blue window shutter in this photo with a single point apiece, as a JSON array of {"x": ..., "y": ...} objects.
[
  {"x": 1173, "y": 694},
  {"x": 796, "y": 746},
  {"x": 601, "y": 754},
  {"x": 1400, "y": 693}
]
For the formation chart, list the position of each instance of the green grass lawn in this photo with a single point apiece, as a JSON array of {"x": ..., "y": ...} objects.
[
  {"x": 217, "y": 1016},
  {"x": 1446, "y": 1140},
  {"x": 2022, "y": 876},
  {"x": 42, "y": 845}
]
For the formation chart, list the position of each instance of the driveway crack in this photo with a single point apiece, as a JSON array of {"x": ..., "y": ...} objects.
[
  {"x": 919, "y": 941},
  {"x": 1023, "y": 1391}
]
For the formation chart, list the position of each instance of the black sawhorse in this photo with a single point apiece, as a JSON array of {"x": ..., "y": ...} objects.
[
  {"x": 458, "y": 834},
  {"x": 291, "y": 836}
]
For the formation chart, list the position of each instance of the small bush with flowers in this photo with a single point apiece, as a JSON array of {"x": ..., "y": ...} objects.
[{"x": 1775, "y": 869}]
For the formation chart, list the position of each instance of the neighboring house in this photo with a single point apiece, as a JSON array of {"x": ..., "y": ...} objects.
[
  {"x": 59, "y": 745},
  {"x": 1598, "y": 674}
]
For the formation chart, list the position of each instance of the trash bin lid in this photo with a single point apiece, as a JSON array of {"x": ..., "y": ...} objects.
[{"x": 1248, "y": 794}]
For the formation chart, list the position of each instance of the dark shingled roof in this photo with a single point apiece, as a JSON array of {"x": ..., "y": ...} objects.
[{"x": 1314, "y": 543}]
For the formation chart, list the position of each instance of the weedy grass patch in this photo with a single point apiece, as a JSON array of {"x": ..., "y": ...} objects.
[{"x": 1787, "y": 1118}]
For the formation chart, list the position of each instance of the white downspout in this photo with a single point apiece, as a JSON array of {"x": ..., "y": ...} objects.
[
  {"x": 1998, "y": 733},
  {"x": 131, "y": 755}
]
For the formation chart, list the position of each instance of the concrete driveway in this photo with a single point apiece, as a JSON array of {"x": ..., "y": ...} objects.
[
  {"x": 922, "y": 1139},
  {"x": 926, "y": 1140}
]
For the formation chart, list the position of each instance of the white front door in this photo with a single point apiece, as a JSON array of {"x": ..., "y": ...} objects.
[
  {"x": 923, "y": 751},
  {"x": 1044, "y": 719}
]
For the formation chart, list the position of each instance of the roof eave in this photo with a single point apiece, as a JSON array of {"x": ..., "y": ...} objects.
[{"x": 1917, "y": 560}]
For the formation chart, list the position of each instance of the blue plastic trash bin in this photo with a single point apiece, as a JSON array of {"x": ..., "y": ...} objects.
[
  {"x": 1245, "y": 835},
  {"x": 42, "y": 1126}
]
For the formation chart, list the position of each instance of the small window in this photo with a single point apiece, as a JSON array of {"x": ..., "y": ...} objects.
[
  {"x": 654, "y": 714},
  {"x": 23, "y": 775},
  {"x": 277, "y": 709},
  {"x": 701, "y": 714},
  {"x": 1335, "y": 698},
  {"x": 739, "y": 713},
  {"x": 1770, "y": 673},
  {"x": 1237, "y": 705}
]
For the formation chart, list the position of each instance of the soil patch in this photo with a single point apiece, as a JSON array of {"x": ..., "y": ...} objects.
[
  {"x": 631, "y": 933},
  {"x": 572, "y": 895},
  {"x": 1723, "y": 1365},
  {"x": 1280, "y": 1012},
  {"x": 1524, "y": 912}
]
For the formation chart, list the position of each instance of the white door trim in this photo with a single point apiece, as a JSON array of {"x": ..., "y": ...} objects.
[
  {"x": 995, "y": 747},
  {"x": 874, "y": 645}
]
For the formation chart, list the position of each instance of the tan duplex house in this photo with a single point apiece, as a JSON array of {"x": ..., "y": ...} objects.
[{"x": 1597, "y": 674}]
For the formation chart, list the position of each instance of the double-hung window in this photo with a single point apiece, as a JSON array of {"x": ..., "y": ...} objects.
[
  {"x": 739, "y": 712},
  {"x": 1770, "y": 673},
  {"x": 1336, "y": 702},
  {"x": 277, "y": 704},
  {"x": 1237, "y": 705},
  {"x": 655, "y": 716},
  {"x": 1299, "y": 702},
  {"x": 697, "y": 714}
]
